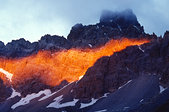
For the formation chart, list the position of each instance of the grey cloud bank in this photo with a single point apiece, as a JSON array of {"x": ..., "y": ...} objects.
[{"x": 31, "y": 19}]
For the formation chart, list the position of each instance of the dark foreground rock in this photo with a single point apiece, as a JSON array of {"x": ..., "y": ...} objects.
[
  {"x": 5, "y": 91},
  {"x": 108, "y": 73}
]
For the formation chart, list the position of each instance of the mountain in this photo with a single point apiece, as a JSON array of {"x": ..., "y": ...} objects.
[{"x": 110, "y": 66}]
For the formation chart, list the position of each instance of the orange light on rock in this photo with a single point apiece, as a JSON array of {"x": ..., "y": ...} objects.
[{"x": 52, "y": 68}]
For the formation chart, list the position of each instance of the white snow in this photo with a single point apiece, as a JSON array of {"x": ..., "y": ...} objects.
[
  {"x": 71, "y": 91},
  {"x": 119, "y": 27},
  {"x": 105, "y": 95},
  {"x": 127, "y": 68},
  {"x": 83, "y": 105},
  {"x": 140, "y": 48},
  {"x": 57, "y": 104},
  {"x": 125, "y": 108},
  {"x": 72, "y": 103},
  {"x": 14, "y": 93},
  {"x": 161, "y": 89},
  {"x": 101, "y": 110},
  {"x": 136, "y": 27},
  {"x": 160, "y": 78},
  {"x": 90, "y": 45},
  {"x": 125, "y": 84},
  {"x": 8, "y": 75},
  {"x": 81, "y": 77},
  {"x": 46, "y": 96},
  {"x": 49, "y": 95},
  {"x": 141, "y": 100},
  {"x": 29, "y": 97}
]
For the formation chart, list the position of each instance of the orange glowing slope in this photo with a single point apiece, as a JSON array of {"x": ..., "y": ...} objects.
[{"x": 52, "y": 68}]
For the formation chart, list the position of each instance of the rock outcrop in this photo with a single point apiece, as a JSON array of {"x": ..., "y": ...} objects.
[
  {"x": 111, "y": 25},
  {"x": 109, "y": 73},
  {"x": 22, "y": 48},
  {"x": 5, "y": 91}
]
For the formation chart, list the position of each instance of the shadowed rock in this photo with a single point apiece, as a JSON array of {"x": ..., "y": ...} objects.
[{"x": 5, "y": 91}]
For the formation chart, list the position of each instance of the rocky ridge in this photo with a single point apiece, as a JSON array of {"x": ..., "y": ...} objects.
[{"x": 112, "y": 25}]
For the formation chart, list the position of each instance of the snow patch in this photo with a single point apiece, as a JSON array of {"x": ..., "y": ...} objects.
[
  {"x": 72, "y": 103},
  {"x": 162, "y": 89},
  {"x": 29, "y": 97},
  {"x": 119, "y": 27},
  {"x": 8, "y": 75},
  {"x": 83, "y": 105},
  {"x": 90, "y": 45},
  {"x": 140, "y": 48},
  {"x": 125, "y": 84},
  {"x": 71, "y": 91},
  {"x": 101, "y": 110},
  {"x": 49, "y": 95},
  {"x": 46, "y": 96},
  {"x": 126, "y": 108},
  {"x": 105, "y": 95},
  {"x": 160, "y": 78},
  {"x": 57, "y": 100},
  {"x": 14, "y": 93},
  {"x": 127, "y": 68},
  {"x": 81, "y": 77},
  {"x": 136, "y": 27},
  {"x": 141, "y": 100}
]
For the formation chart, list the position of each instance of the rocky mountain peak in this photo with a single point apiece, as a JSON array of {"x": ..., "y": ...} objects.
[
  {"x": 112, "y": 25},
  {"x": 120, "y": 19},
  {"x": 166, "y": 34}
]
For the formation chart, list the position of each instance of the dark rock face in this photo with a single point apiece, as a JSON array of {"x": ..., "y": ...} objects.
[
  {"x": 22, "y": 48},
  {"x": 18, "y": 48},
  {"x": 112, "y": 25},
  {"x": 128, "y": 97},
  {"x": 34, "y": 85},
  {"x": 158, "y": 103},
  {"x": 30, "y": 85},
  {"x": 94, "y": 75},
  {"x": 109, "y": 73},
  {"x": 5, "y": 91},
  {"x": 48, "y": 42}
]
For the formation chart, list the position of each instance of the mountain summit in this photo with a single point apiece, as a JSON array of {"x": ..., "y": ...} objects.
[{"x": 119, "y": 19}]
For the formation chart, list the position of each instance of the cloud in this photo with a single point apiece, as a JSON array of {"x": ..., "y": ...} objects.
[{"x": 31, "y": 19}]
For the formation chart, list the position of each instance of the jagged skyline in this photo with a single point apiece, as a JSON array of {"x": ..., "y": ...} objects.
[{"x": 32, "y": 19}]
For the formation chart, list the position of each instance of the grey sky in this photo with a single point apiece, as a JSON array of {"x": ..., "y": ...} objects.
[{"x": 31, "y": 19}]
